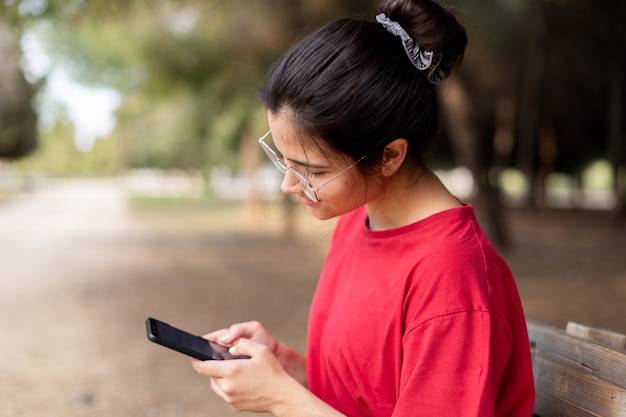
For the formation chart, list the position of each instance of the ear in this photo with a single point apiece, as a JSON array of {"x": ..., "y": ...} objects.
[{"x": 393, "y": 156}]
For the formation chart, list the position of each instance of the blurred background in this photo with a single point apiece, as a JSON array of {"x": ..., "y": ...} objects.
[{"x": 131, "y": 182}]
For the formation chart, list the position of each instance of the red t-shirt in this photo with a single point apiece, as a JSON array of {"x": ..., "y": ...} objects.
[{"x": 423, "y": 320}]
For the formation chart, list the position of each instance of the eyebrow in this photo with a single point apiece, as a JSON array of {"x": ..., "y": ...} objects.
[{"x": 307, "y": 164}]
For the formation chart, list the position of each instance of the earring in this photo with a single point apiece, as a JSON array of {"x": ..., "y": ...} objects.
[{"x": 388, "y": 172}]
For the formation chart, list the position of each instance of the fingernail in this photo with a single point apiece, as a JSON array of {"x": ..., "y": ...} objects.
[
  {"x": 233, "y": 350},
  {"x": 225, "y": 338}
]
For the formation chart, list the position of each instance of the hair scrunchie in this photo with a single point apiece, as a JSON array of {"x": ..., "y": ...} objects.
[{"x": 420, "y": 58}]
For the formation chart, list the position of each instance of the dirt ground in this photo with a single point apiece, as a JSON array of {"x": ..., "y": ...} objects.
[{"x": 80, "y": 272}]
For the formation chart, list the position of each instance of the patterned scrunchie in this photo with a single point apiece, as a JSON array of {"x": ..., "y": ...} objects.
[{"x": 420, "y": 58}]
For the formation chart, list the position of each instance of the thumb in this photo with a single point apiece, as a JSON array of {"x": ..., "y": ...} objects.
[{"x": 247, "y": 347}]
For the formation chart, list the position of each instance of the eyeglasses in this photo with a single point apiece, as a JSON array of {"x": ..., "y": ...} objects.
[{"x": 309, "y": 190}]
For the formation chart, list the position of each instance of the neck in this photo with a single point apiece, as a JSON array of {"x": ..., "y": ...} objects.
[{"x": 405, "y": 201}]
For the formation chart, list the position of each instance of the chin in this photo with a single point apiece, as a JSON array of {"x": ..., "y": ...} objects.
[{"x": 319, "y": 214}]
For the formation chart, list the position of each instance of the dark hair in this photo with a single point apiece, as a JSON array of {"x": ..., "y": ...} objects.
[{"x": 352, "y": 84}]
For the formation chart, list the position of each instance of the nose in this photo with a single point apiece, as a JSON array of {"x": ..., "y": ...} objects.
[{"x": 291, "y": 184}]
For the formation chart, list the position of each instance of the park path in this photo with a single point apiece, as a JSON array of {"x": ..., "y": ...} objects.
[
  {"x": 44, "y": 231},
  {"x": 79, "y": 274},
  {"x": 50, "y": 240}
]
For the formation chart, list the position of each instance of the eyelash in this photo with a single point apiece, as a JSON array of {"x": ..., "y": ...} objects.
[{"x": 307, "y": 174}]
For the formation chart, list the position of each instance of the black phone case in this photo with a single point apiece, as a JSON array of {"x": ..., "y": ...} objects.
[
  {"x": 183, "y": 342},
  {"x": 156, "y": 338}
]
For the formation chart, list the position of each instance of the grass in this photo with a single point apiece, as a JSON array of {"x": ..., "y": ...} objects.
[
  {"x": 169, "y": 204},
  {"x": 207, "y": 215}
]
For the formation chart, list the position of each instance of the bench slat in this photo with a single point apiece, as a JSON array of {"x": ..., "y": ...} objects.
[
  {"x": 575, "y": 387},
  {"x": 603, "y": 336},
  {"x": 575, "y": 377},
  {"x": 607, "y": 363}
]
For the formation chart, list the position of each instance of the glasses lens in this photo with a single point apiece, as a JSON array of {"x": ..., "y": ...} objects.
[
  {"x": 310, "y": 193},
  {"x": 306, "y": 185},
  {"x": 273, "y": 156},
  {"x": 283, "y": 168}
]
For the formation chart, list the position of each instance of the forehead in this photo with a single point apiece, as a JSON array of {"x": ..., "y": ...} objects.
[{"x": 294, "y": 143}]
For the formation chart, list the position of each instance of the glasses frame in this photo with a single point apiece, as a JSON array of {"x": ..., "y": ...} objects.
[{"x": 309, "y": 190}]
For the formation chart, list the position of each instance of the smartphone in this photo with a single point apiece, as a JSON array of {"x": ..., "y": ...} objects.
[{"x": 187, "y": 343}]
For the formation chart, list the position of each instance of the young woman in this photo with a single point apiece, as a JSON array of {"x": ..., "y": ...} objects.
[{"x": 415, "y": 313}]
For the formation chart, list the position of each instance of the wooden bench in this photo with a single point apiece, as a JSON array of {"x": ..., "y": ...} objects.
[{"x": 578, "y": 372}]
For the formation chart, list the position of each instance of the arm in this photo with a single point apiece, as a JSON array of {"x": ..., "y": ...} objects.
[
  {"x": 448, "y": 368},
  {"x": 293, "y": 362}
]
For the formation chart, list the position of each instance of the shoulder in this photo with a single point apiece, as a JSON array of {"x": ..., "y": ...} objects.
[{"x": 457, "y": 269}]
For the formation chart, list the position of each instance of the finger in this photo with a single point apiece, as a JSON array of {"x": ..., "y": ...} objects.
[
  {"x": 247, "y": 347},
  {"x": 215, "y": 386},
  {"x": 215, "y": 335},
  {"x": 239, "y": 330},
  {"x": 212, "y": 368}
]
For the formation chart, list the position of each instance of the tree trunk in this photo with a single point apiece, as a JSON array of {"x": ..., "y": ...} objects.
[
  {"x": 529, "y": 108},
  {"x": 615, "y": 131},
  {"x": 18, "y": 119}
]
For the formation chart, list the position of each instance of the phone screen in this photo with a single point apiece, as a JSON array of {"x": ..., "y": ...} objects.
[{"x": 187, "y": 343}]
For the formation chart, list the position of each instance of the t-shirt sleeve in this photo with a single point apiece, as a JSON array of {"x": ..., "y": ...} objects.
[{"x": 447, "y": 367}]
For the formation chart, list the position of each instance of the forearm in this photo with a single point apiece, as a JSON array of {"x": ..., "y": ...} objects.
[
  {"x": 303, "y": 403},
  {"x": 293, "y": 362}
]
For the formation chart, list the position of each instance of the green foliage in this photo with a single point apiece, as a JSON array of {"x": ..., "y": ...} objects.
[
  {"x": 58, "y": 157},
  {"x": 158, "y": 138},
  {"x": 188, "y": 70},
  {"x": 500, "y": 25}
]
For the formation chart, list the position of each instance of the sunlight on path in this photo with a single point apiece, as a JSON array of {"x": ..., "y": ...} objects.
[{"x": 38, "y": 231}]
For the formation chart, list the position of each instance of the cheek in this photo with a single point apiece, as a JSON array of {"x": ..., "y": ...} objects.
[
  {"x": 347, "y": 195},
  {"x": 357, "y": 192},
  {"x": 342, "y": 204},
  {"x": 363, "y": 189}
]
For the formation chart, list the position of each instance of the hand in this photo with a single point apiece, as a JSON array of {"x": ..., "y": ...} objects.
[{"x": 258, "y": 384}]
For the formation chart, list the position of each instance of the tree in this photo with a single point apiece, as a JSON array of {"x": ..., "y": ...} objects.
[
  {"x": 533, "y": 93},
  {"x": 574, "y": 89},
  {"x": 188, "y": 71},
  {"x": 18, "y": 118}
]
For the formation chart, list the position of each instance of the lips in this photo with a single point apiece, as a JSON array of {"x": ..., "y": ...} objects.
[{"x": 307, "y": 201}]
